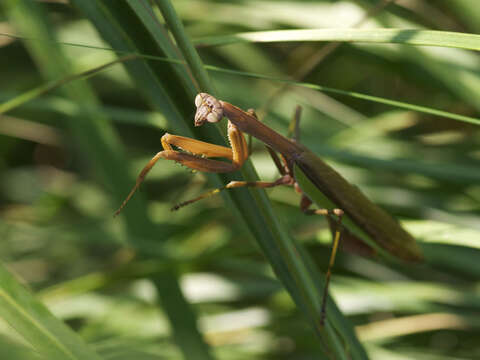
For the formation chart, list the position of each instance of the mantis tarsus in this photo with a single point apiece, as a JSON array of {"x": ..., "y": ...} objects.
[{"x": 371, "y": 219}]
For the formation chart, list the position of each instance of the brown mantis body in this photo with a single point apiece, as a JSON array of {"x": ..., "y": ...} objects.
[{"x": 371, "y": 219}]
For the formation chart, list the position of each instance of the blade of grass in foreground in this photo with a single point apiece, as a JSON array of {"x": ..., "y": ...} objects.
[
  {"x": 279, "y": 249},
  {"x": 48, "y": 335}
]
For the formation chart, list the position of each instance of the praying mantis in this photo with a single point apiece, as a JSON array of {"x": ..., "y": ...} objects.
[{"x": 296, "y": 159}]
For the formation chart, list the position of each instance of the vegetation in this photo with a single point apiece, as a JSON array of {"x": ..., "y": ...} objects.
[{"x": 89, "y": 87}]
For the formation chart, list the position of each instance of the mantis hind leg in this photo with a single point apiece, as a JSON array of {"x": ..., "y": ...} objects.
[
  {"x": 284, "y": 180},
  {"x": 305, "y": 204}
]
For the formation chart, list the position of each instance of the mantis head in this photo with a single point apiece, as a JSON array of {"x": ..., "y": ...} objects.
[{"x": 208, "y": 109}]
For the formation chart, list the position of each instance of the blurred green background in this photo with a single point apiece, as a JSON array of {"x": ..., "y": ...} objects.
[{"x": 133, "y": 287}]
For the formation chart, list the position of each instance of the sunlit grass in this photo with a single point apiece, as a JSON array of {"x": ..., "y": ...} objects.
[{"x": 70, "y": 155}]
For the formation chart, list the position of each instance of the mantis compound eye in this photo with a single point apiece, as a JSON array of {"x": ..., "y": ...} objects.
[
  {"x": 199, "y": 99},
  {"x": 208, "y": 109}
]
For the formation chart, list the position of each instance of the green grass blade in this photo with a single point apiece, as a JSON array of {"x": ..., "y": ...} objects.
[
  {"x": 353, "y": 94},
  {"x": 386, "y": 36},
  {"x": 186, "y": 46},
  {"x": 278, "y": 248},
  {"x": 48, "y": 335}
]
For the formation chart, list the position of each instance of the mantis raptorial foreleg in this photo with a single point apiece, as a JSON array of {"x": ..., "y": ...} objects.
[{"x": 237, "y": 154}]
